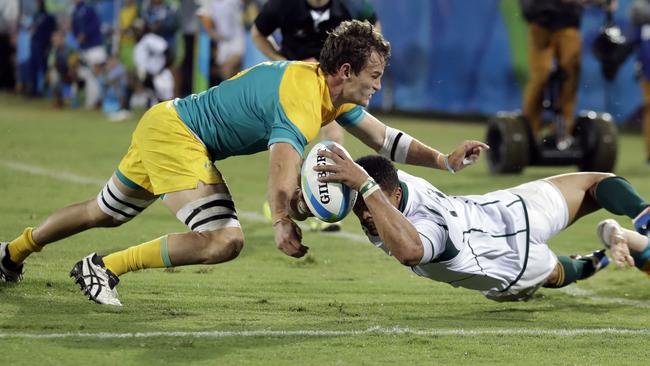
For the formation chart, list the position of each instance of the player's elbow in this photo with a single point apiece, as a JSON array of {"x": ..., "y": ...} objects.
[
  {"x": 256, "y": 36},
  {"x": 408, "y": 256}
]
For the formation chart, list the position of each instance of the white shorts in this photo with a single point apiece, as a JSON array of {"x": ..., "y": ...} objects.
[
  {"x": 94, "y": 55},
  {"x": 229, "y": 48},
  {"x": 548, "y": 214}
]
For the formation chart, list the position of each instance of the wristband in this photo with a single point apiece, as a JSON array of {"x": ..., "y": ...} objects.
[
  {"x": 368, "y": 188},
  {"x": 370, "y": 191},
  {"x": 369, "y": 183},
  {"x": 447, "y": 166}
]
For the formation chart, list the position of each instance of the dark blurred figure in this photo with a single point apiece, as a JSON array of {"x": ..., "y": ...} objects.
[
  {"x": 554, "y": 35},
  {"x": 9, "y": 10},
  {"x": 62, "y": 70},
  {"x": 86, "y": 27},
  {"x": 161, "y": 19},
  {"x": 189, "y": 26},
  {"x": 44, "y": 24}
]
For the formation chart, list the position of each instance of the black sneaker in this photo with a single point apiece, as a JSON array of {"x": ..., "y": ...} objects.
[{"x": 9, "y": 271}]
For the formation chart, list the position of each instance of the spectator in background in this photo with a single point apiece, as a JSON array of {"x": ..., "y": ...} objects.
[
  {"x": 62, "y": 68},
  {"x": 128, "y": 32},
  {"x": 44, "y": 24},
  {"x": 640, "y": 18},
  {"x": 161, "y": 19},
  {"x": 222, "y": 20},
  {"x": 303, "y": 25},
  {"x": 189, "y": 27},
  {"x": 9, "y": 10},
  {"x": 152, "y": 58},
  {"x": 113, "y": 83},
  {"x": 86, "y": 29}
]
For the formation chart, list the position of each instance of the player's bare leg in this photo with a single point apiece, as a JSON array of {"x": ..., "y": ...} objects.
[
  {"x": 61, "y": 224},
  {"x": 585, "y": 193},
  {"x": 578, "y": 190},
  {"x": 205, "y": 247}
]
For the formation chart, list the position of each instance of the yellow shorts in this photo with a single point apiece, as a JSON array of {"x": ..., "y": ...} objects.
[{"x": 165, "y": 156}]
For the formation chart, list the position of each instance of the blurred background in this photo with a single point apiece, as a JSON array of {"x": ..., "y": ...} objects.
[{"x": 449, "y": 57}]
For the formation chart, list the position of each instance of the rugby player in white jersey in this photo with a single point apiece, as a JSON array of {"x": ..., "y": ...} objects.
[{"x": 494, "y": 243}]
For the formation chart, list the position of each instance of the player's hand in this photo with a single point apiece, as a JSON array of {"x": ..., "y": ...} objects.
[
  {"x": 288, "y": 237},
  {"x": 619, "y": 250},
  {"x": 345, "y": 170},
  {"x": 467, "y": 153}
]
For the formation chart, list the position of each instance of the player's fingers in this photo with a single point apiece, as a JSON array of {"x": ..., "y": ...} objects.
[
  {"x": 331, "y": 154},
  {"x": 479, "y": 144},
  {"x": 630, "y": 260},
  {"x": 329, "y": 168},
  {"x": 337, "y": 151}
]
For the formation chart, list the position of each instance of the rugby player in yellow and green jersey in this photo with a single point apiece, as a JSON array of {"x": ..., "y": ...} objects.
[
  {"x": 272, "y": 102},
  {"x": 279, "y": 106}
]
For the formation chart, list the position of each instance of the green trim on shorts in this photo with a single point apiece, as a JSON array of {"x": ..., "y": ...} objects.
[
  {"x": 523, "y": 269},
  {"x": 164, "y": 252},
  {"x": 126, "y": 181}
]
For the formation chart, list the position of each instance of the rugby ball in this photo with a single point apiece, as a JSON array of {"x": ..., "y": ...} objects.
[{"x": 330, "y": 202}]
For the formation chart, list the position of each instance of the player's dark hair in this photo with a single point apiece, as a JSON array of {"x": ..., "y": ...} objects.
[
  {"x": 381, "y": 170},
  {"x": 352, "y": 42}
]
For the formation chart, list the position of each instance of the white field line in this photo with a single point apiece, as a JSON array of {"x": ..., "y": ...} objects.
[
  {"x": 258, "y": 217},
  {"x": 396, "y": 331}
]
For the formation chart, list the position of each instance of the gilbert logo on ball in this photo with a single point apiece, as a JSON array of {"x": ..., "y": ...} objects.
[{"x": 330, "y": 202}]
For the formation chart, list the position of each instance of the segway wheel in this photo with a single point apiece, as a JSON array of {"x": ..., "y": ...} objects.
[
  {"x": 598, "y": 139},
  {"x": 508, "y": 138}
]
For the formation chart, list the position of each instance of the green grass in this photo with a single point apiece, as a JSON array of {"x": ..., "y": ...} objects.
[{"x": 342, "y": 285}]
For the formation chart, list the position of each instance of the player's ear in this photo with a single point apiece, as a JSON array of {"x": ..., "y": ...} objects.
[
  {"x": 345, "y": 71},
  {"x": 398, "y": 194}
]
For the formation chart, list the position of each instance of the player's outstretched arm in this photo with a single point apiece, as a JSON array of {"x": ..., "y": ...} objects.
[
  {"x": 395, "y": 230},
  {"x": 398, "y": 146},
  {"x": 265, "y": 45},
  {"x": 284, "y": 164}
]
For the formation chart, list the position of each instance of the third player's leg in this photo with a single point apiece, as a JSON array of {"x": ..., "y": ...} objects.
[{"x": 215, "y": 235}]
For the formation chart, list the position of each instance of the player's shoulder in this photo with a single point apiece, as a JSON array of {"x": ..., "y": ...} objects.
[
  {"x": 303, "y": 75},
  {"x": 416, "y": 182}
]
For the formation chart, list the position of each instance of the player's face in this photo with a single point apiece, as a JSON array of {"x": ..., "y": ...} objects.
[
  {"x": 360, "y": 88},
  {"x": 365, "y": 217}
]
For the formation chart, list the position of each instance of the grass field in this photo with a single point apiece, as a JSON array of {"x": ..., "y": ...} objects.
[{"x": 345, "y": 303}]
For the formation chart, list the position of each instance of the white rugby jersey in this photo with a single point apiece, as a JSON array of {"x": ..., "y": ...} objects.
[{"x": 476, "y": 242}]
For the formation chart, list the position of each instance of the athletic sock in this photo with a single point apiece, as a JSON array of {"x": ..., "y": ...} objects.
[
  {"x": 642, "y": 260},
  {"x": 152, "y": 254},
  {"x": 21, "y": 247},
  {"x": 616, "y": 195},
  {"x": 572, "y": 270}
]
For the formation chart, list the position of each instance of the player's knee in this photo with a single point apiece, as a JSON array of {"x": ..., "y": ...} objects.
[
  {"x": 98, "y": 218},
  {"x": 222, "y": 247}
]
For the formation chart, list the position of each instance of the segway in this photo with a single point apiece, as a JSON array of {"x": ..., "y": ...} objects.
[
  {"x": 594, "y": 137},
  {"x": 513, "y": 147}
]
